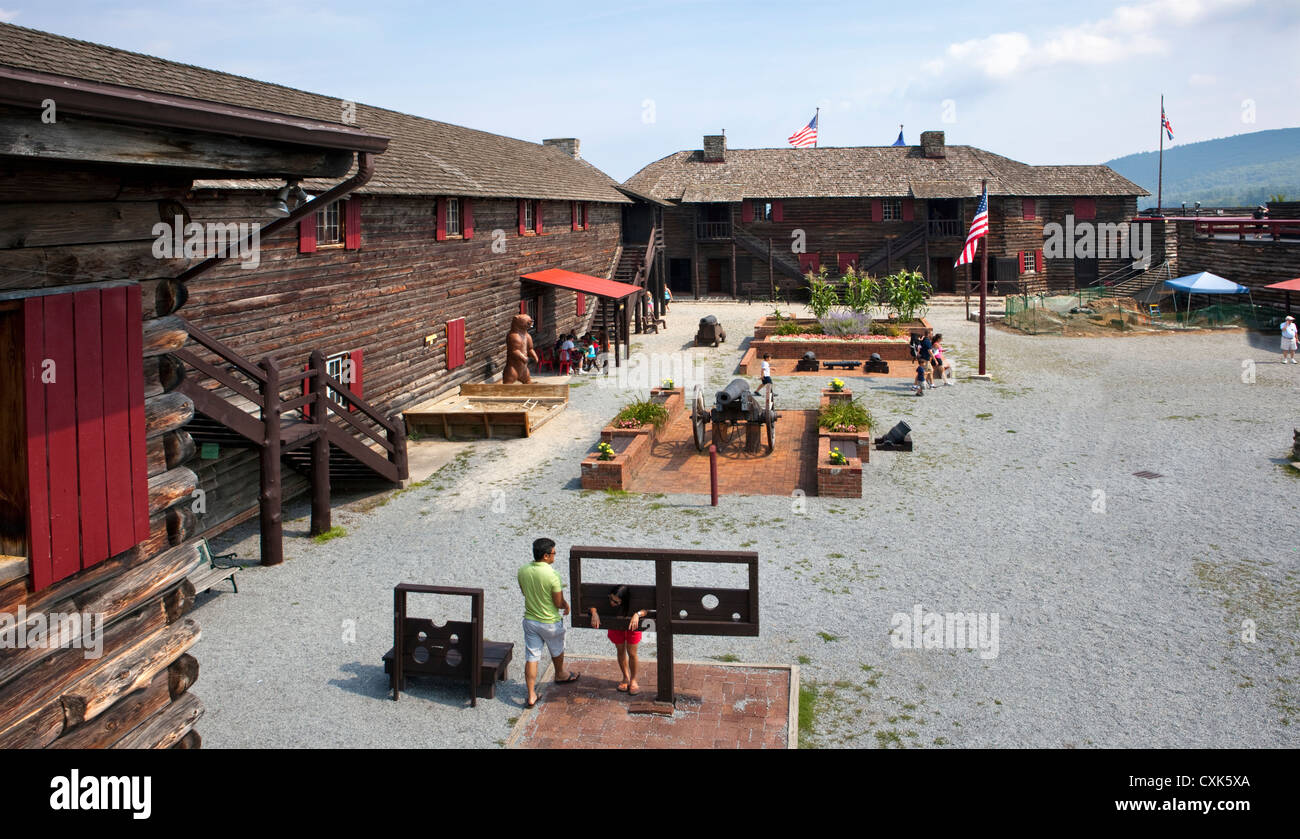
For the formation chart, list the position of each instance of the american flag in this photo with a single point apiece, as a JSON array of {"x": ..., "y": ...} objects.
[
  {"x": 979, "y": 228},
  {"x": 1164, "y": 123},
  {"x": 806, "y": 137}
]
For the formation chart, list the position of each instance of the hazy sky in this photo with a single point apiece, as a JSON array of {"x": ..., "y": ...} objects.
[{"x": 1042, "y": 82}]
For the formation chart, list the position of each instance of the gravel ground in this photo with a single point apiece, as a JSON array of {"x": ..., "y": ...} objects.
[{"x": 1120, "y": 600}]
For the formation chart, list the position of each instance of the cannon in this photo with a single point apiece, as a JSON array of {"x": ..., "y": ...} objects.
[
  {"x": 710, "y": 332},
  {"x": 733, "y": 405},
  {"x": 808, "y": 364}
]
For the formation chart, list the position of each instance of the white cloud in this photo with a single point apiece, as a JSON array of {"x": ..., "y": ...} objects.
[
  {"x": 1127, "y": 32},
  {"x": 8, "y": 15}
]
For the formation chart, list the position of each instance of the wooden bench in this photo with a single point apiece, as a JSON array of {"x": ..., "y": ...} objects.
[
  {"x": 847, "y": 365},
  {"x": 206, "y": 576},
  {"x": 456, "y": 649}
]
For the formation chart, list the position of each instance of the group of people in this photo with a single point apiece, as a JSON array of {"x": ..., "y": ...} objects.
[
  {"x": 577, "y": 355},
  {"x": 545, "y": 609},
  {"x": 927, "y": 351}
]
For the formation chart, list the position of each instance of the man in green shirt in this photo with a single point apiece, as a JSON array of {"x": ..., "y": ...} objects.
[{"x": 543, "y": 624}]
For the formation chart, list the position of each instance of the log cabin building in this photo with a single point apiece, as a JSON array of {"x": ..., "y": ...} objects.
[
  {"x": 736, "y": 213},
  {"x": 98, "y": 538},
  {"x": 405, "y": 288}
]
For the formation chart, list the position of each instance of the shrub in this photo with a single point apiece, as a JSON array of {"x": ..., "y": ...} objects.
[
  {"x": 845, "y": 413},
  {"x": 821, "y": 294},
  {"x": 845, "y": 322},
  {"x": 643, "y": 412}
]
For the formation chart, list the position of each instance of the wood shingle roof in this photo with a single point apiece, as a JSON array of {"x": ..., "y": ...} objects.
[
  {"x": 865, "y": 171},
  {"x": 424, "y": 157}
]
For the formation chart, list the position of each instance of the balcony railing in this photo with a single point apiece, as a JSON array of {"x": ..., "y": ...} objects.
[
  {"x": 944, "y": 227},
  {"x": 712, "y": 230}
]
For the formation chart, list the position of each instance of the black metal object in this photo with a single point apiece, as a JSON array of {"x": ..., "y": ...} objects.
[
  {"x": 710, "y": 332},
  {"x": 899, "y": 439},
  {"x": 847, "y": 365},
  {"x": 678, "y": 610},
  {"x": 732, "y": 405},
  {"x": 875, "y": 364},
  {"x": 808, "y": 364}
]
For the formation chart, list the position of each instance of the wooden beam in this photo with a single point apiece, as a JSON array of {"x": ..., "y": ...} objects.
[{"x": 93, "y": 141}]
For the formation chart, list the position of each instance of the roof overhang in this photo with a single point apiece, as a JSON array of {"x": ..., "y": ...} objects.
[
  {"x": 115, "y": 103},
  {"x": 560, "y": 278}
]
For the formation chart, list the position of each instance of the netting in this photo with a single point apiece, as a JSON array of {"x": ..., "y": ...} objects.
[{"x": 1092, "y": 312}]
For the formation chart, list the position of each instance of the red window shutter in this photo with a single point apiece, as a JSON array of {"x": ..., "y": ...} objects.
[
  {"x": 356, "y": 357},
  {"x": 573, "y": 215},
  {"x": 440, "y": 213},
  {"x": 523, "y": 307},
  {"x": 584, "y": 216},
  {"x": 537, "y": 218},
  {"x": 908, "y": 212},
  {"x": 455, "y": 343},
  {"x": 1085, "y": 208},
  {"x": 352, "y": 223},
  {"x": 846, "y": 260},
  {"x": 1039, "y": 265},
  {"x": 778, "y": 210},
  {"x": 85, "y": 440},
  {"x": 467, "y": 218},
  {"x": 307, "y": 234},
  {"x": 1021, "y": 256},
  {"x": 810, "y": 262},
  {"x": 1029, "y": 208},
  {"x": 877, "y": 209},
  {"x": 582, "y": 304},
  {"x": 747, "y": 211},
  {"x": 521, "y": 217}
]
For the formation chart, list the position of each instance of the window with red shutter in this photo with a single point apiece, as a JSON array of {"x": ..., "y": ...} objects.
[
  {"x": 1039, "y": 265},
  {"x": 846, "y": 261},
  {"x": 523, "y": 222},
  {"x": 455, "y": 343},
  {"x": 537, "y": 217},
  {"x": 778, "y": 211},
  {"x": 440, "y": 219},
  {"x": 1085, "y": 208},
  {"x": 73, "y": 364},
  {"x": 573, "y": 215},
  {"x": 909, "y": 213},
  {"x": 1029, "y": 208},
  {"x": 584, "y": 216},
  {"x": 581, "y": 304},
  {"x": 747, "y": 212},
  {"x": 810, "y": 262},
  {"x": 877, "y": 209},
  {"x": 1021, "y": 257}
]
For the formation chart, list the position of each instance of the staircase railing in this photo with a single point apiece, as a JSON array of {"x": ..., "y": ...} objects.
[
  {"x": 759, "y": 247},
  {"x": 897, "y": 246}
]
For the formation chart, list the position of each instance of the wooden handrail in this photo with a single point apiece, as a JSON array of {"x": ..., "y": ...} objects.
[
  {"x": 220, "y": 376},
  {"x": 356, "y": 402},
  {"x": 244, "y": 366}
]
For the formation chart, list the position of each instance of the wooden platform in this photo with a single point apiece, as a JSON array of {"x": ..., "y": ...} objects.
[{"x": 488, "y": 410}]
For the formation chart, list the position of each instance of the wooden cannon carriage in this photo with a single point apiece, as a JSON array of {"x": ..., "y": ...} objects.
[{"x": 732, "y": 406}]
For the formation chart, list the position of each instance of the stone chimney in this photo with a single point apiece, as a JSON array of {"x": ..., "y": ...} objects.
[
  {"x": 715, "y": 148},
  {"x": 932, "y": 144},
  {"x": 568, "y": 145}
]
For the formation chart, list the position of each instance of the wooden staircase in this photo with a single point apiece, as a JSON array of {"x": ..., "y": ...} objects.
[
  {"x": 327, "y": 432},
  {"x": 781, "y": 258},
  {"x": 893, "y": 249}
]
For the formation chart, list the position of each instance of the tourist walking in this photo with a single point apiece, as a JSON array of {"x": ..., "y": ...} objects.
[
  {"x": 543, "y": 622},
  {"x": 1288, "y": 340},
  {"x": 941, "y": 362}
]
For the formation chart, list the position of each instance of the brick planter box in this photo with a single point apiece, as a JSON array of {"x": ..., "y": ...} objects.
[
  {"x": 830, "y": 349},
  {"x": 631, "y": 446},
  {"x": 829, "y": 396},
  {"x": 843, "y": 481},
  {"x": 766, "y": 326}
]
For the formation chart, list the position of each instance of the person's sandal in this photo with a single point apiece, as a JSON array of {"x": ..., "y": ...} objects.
[{"x": 573, "y": 677}]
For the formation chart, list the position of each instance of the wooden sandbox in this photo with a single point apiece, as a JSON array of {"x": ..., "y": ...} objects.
[{"x": 488, "y": 410}]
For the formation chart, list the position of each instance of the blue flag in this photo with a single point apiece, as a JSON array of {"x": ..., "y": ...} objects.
[{"x": 899, "y": 141}]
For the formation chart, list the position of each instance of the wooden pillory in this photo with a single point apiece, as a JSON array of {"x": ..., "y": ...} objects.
[{"x": 675, "y": 610}]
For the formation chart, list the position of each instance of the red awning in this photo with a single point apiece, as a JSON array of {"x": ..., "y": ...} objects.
[
  {"x": 1286, "y": 285},
  {"x": 560, "y": 278}
]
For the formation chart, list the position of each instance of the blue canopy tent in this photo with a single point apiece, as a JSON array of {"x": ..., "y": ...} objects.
[{"x": 1203, "y": 283}]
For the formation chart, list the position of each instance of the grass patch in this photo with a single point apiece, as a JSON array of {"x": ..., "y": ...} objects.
[
  {"x": 725, "y": 657},
  {"x": 827, "y": 637},
  {"x": 803, "y": 659},
  {"x": 983, "y": 416},
  {"x": 612, "y": 494},
  {"x": 807, "y": 713},
  {"x": 334, "y": 532}
]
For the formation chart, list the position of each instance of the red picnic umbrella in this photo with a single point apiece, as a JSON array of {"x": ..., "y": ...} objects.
[{"x": 1288, "y": 286}]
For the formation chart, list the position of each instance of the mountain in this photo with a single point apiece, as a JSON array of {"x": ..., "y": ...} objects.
[{"x": 1238, "y": 171}]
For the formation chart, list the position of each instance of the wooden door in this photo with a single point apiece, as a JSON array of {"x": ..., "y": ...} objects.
[{"x": 717, "y": 270}]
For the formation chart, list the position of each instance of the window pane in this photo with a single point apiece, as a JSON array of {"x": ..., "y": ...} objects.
[{"x": 453, "y": 216}]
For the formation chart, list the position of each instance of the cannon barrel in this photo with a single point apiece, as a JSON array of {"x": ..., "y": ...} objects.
[
  {"x": 708, "y": 320},
  {"x": 732, "y": 396}
]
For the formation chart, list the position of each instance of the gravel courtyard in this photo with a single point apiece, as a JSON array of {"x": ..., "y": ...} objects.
[{"x": 1123, "y": 603}]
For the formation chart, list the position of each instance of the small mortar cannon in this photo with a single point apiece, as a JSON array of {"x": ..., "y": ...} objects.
[
  {"x": 731, "y": 406},
  {"x": 710, "y": 332}
]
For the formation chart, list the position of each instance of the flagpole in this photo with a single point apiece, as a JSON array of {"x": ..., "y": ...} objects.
[
  {"x": 984, "y": 279},
  {"x": 1160, "y": 176},
  {"x": 817, "y": 119}
]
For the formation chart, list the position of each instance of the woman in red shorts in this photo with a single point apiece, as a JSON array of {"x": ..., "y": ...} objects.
[{"x": 625, "y": 640}]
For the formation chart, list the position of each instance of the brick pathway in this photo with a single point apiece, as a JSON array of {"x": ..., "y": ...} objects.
[
  {"x": 674, "y": 465},
  {"x": 718, "y": 707}
]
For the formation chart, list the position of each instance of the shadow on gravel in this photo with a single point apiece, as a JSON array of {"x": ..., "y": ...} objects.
[{"x": 371, "y": 681}]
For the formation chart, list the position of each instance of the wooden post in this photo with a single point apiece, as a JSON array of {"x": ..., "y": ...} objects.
[
  {"x": 771, "y": 277},
  {"x": 320, "y": 447},
  {"x": 695, "y": 263},
  {"x": 733, "y": 265},
  {"x": 272, "y": 524},
  {"x": 713, "y": 475},
  {"x": 397, "y": 436},
  {"x": 664, "y": 629}
]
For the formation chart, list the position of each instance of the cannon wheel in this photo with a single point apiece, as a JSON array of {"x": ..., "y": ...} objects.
[
  {"x": 699, "y": 418},
  {"x": 770, "y": 416}
]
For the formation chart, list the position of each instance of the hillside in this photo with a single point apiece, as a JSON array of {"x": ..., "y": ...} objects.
[{"x": 1238, "y": 171}]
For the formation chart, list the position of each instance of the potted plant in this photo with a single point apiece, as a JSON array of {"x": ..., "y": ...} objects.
[
  {"x": 837, "y": 385},
  {"x": 838, "y": 458}
]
